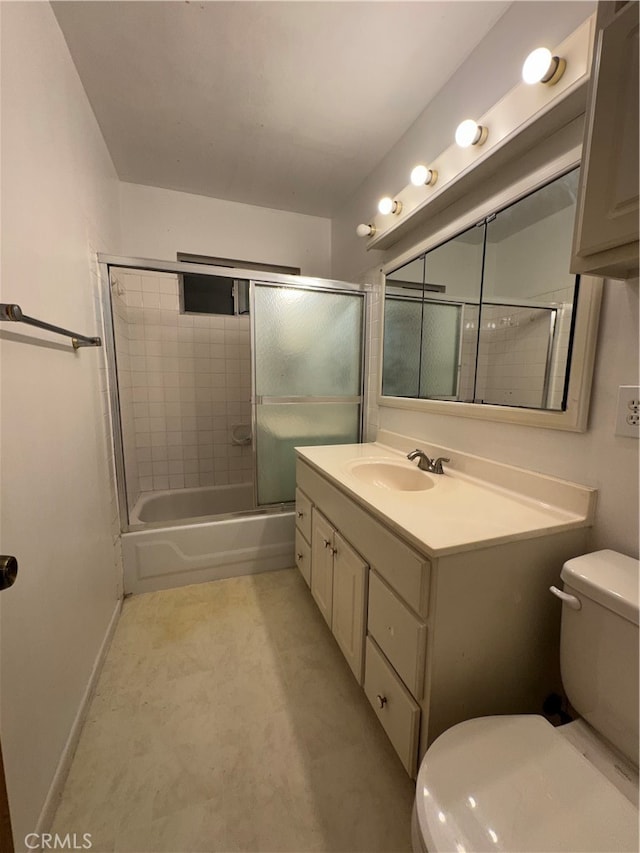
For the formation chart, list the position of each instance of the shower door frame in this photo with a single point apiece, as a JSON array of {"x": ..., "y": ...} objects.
[{"x": 107, "y": 261}]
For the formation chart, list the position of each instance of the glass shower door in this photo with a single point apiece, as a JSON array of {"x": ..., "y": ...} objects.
[{"x": 307, "y": 378}]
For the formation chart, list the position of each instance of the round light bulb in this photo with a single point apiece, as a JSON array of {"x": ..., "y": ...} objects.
[
  {"x": 385, "y": 205},
  {"x": 536, "y": 65},
  {"x": 469, "y": 133},
  {"x": 421, "y": 176},
  {"x": 364, "y": 230}
]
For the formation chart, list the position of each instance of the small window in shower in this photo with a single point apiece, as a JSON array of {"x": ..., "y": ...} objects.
[{"x": 213, "y": 294}]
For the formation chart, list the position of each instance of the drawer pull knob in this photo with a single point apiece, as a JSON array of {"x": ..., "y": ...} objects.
[
  {"x": 299, "y": 555},
  {"x": 381, "y": 700},
  {"x": 300, "y": 514}
]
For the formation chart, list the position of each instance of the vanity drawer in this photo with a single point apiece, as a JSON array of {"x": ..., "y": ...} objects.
[
  {"x": 303, "y": 557},
  {"x": 303, "y": 514},
  {"x": 399, "y": 634},
  {"x": 399, "y": 715}
]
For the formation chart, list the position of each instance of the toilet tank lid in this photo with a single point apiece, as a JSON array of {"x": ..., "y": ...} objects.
[{"x": 607, "y": 577}]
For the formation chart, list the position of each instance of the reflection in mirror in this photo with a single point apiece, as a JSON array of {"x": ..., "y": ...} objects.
[
  {"x": 487, "y": 316},
  {"x": 527, "y": 301},
  {"x": 431, "y": 320}
]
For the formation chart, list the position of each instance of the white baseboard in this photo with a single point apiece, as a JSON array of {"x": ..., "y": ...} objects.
[{"x": 60, "y": 776}]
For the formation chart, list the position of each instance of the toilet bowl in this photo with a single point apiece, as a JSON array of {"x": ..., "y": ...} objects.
[{"x": 517, "y": 783}]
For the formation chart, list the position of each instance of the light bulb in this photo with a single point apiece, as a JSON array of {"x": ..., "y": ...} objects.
[
  {"x": 542, "y": 67},
  {"x": 469, "y": 133},
  {"x": 421, "y": 176},
  {"x": 364, "y": 230},
  {"x": 388, "y": 205}
]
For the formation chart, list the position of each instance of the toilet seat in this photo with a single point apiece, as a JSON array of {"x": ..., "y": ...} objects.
[{"x": 514, "y": 783}]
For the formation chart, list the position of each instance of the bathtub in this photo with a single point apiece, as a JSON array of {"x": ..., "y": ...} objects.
[
  {"x": 179, "y": 504},
  {"x": 202, "y": 550}
]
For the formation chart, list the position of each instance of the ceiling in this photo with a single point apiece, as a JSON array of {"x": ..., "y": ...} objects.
[{"x": 288, "y": 105}]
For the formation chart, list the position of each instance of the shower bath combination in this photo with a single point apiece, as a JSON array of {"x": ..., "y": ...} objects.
[{"x": 209, "y": 396}]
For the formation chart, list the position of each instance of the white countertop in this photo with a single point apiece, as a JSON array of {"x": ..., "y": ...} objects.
[{"x": 461, "y": 511}]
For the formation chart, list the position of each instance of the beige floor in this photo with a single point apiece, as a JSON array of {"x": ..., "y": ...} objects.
[{"x": 226, "y": 719}]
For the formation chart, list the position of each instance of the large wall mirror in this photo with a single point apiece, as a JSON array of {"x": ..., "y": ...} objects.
[{"x": 488, "y": 318}]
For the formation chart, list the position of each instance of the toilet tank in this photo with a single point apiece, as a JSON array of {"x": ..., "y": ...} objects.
[{"x": 599, "y": 645}]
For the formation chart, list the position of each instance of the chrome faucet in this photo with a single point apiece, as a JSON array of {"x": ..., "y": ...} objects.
[{"x": 433, "y": 466}]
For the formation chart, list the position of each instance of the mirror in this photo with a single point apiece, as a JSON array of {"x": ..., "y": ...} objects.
[{"x": 488, "y": 316}]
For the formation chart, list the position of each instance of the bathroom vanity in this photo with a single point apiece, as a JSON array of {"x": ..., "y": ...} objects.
[{"x": 436, "y": 587}]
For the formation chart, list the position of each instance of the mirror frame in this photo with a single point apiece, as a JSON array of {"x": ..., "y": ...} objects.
[{"x": 574, "y": 418}]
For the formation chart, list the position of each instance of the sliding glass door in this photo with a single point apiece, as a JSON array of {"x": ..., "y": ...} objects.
[{"x": 308, "y": 378}]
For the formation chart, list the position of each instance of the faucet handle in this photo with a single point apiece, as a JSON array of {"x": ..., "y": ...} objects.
[{"x": 437, "y": 464}]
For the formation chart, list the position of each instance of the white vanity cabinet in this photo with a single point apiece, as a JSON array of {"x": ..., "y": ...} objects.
[
  {"x": 434, "y": 637},
  {"x": 379, "y": 599},
  {"x": 606, "y": 230}
]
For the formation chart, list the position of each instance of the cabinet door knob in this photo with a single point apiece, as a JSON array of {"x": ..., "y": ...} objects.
[
  {"x": 381, "y": 700},
  {"x": 300, "y": 514},
  {"x": 299, "y": 555},
  {"x": 327, "y": 543},
  {"x": 334, "y": 551}
]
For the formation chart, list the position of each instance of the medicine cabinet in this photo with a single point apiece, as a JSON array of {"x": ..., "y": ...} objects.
[{"x": 488, "y": 319}]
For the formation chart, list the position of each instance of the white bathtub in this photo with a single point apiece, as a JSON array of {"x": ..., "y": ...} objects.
[
  {"x": 181, "y": 504},
  {"x": 195, "y": 552}
]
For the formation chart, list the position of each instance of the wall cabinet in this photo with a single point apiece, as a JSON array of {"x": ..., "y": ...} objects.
[
  {"x": 434, "y": 640},
  {"x": 606, "y": 229}
]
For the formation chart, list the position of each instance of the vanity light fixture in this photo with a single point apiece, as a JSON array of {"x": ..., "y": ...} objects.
[
  {"x": 421, "y": 176},
  {"x": 388, "y": 205},
  {"x": 542, "y": 67},
  {"x": 470, "y": 133},
  {"x": 365, "y": 230}
]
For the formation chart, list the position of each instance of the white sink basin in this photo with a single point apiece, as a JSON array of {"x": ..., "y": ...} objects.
[{"x": 391, "y": 475}]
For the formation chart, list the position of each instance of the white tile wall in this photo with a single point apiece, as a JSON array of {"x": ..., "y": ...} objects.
[
  {"x": 185, "y": 382},
  {"x": 512, "y": 355}
]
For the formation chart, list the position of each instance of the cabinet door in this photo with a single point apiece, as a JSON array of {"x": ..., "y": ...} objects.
[
  {"x": 349, "y": 603},
  {"x": 608, "y": 197},
  {"x": 303, "y": 514},
  {"x": 303, "y": 557},
  {"x": 322, "y": 563}
]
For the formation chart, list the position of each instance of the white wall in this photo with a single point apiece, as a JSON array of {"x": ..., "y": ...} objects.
[
  {"x": 159, "y": 223},
  {"x": 59, "y": 205},
  {"x": 596, "y": 458}
]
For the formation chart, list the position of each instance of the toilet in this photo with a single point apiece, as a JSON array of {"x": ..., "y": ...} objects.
[{"x": 517, "y": 783}]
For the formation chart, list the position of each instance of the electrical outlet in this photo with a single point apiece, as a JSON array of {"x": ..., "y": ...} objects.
[{"x": 628, "y": 419}]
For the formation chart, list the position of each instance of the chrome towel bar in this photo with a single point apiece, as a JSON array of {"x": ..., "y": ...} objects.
[{"x": 14, "y": 314}]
